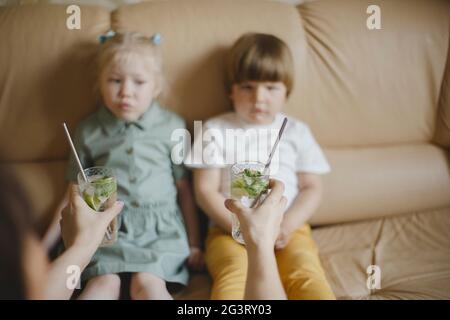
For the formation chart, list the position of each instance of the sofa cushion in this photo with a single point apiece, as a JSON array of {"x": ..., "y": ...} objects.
[
  {"x": 380, "y": 181},
  {"x": 442, "y": 134},
  {"x": 412, "y": 252}
]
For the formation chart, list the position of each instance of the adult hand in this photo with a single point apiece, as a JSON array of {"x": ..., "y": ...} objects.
[
  {"x": 261, "y": 225},
  {"x": 80, "y": 225}
]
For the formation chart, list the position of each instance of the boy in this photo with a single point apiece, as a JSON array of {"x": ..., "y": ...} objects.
[{"x": 260, "y": 78}]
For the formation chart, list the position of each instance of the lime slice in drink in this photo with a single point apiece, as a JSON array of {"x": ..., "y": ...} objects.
[
  {"x": 104, "y": 186},
  {"x": 98, "y": 190},
  {"x": 92, "y": 201},
  {"x": 103, "y": 180},
  {"x": 238, "y": 193}
]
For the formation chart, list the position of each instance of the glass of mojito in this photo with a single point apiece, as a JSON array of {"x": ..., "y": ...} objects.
[
  {"x": 100, "y": 192},
  {"x": 248, "y": 181}
]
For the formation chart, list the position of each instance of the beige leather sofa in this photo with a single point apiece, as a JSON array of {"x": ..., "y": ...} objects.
[{"x": 378, "y": 101}]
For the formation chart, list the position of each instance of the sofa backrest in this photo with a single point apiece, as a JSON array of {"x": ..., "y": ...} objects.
[
  {"x": 355, "y": 87},
  {"x": 44, "y": 78},
  {"x": 373, "y": 87}
]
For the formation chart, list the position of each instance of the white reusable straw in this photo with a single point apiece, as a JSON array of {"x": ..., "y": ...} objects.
[
  {"x": 74, "y": 152},
  {"x": 266, "y": 167}
]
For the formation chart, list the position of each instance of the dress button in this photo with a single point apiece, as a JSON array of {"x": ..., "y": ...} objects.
[
  {"x": 130, "y": 150},
  {"x": 133, "y": 180},
  {"x": 134, "y": 204}
]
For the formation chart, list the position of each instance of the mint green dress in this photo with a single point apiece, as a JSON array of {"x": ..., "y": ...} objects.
[{"x": 152, "y": 237}]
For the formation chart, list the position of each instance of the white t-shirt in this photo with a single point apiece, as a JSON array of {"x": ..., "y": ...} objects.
[{"x": 227, "y": 139}]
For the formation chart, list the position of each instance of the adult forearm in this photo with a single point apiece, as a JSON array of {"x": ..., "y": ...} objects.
[
  {"x": 263, "y": 279},
  {"x": 53, "y": 232},
  {"x": 70, "y": 264},
  {"x": 51, "y": 236}
]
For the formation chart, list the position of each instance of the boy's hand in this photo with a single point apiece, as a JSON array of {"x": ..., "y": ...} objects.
[
  {"x": 283, "y": 238},
  {"x": 196, "y": 260}
]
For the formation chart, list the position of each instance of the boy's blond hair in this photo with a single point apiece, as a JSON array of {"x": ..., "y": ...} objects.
[
  {"x": 121, "y": 47},
  {"x": 260, "y": 57}
]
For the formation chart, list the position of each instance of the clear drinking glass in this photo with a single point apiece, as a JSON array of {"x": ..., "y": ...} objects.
[
  {"x": 248, "y": 181},
  {"x": 100, "y": 192}
]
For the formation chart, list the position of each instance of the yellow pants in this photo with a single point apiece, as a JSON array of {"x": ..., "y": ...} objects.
[{"x": 298, "y": 263}]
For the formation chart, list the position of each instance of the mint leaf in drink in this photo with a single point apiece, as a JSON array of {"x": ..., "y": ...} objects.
[
  {"x": 252, "y": 173},
  {"x": 249, "y": 183}
]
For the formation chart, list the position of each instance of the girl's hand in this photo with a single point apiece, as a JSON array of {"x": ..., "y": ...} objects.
[{"x": 196, "y": 260}]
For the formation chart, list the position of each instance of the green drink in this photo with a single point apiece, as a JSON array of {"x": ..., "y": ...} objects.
[
  {"x": 100, "y": 192},
  {"x": 248, "y": 181}
]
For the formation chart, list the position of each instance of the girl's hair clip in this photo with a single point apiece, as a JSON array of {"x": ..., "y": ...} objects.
[
  {"x": 156, "y": 39},
  {"x": 102, "y": 38}
]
